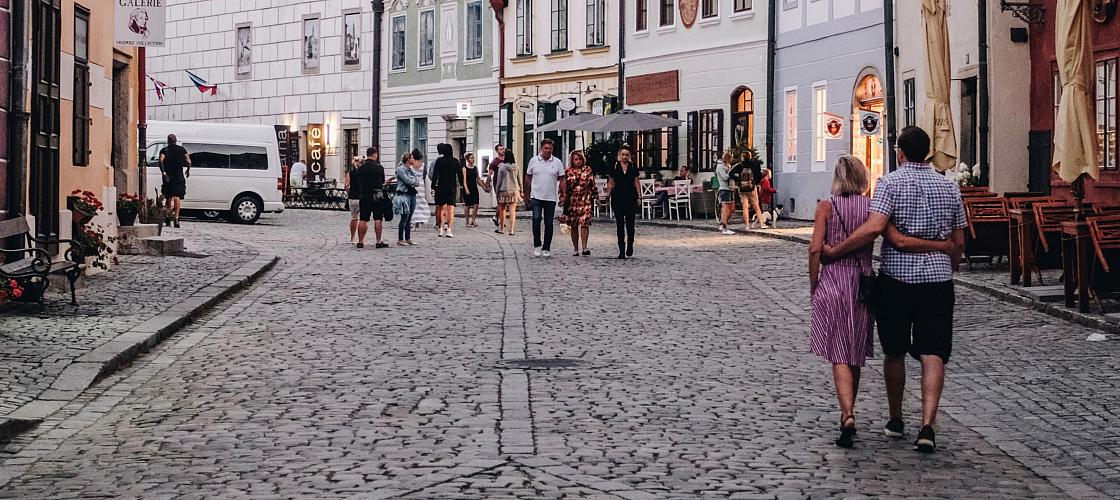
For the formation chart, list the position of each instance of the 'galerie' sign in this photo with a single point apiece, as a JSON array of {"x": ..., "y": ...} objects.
[
  {"x": 316, "y": 150},
  {"x": 140, "y": 23}
]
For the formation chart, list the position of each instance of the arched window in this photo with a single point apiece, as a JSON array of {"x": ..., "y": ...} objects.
[{"x": 742, "y": 118}]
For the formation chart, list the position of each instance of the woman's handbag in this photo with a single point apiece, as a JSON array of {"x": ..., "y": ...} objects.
[
  {"x": 386, "y": 206},
  {"x": 868, "y": 280}
]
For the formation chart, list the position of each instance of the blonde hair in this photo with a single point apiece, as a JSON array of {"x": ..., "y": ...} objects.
[
  {"x": 405, "y": 158},
  {"x": 358, "y": 159},
  {"x": 727, "y": 158},
  {"x": 850, "y": 176}
]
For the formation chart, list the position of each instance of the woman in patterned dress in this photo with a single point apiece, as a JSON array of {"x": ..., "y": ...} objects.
[
  {"x": 577, "y": 196},
  {"x": 423, "y": 211}
]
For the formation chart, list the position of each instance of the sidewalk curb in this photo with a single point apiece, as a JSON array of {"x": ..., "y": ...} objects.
[
  {"x": 128, "y": 345},
  {"x": 1057, "y": 311}
]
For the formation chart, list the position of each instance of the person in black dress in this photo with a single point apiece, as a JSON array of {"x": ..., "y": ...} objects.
[
  {"x": 175, "y": 163},
  {"x": 623, "y": 188},
  {"x": 470, "y": 190},
  {"x": 446, "y": 177}
]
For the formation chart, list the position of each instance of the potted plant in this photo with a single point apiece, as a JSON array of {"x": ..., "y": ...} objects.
[
  {"x": 10, "y": 290},
  {"x": 602, "y": 154},
  {"x": 83, "y": 206},
  {"x": 92, "y": 242},
  {"x": 128, "y": 207}
]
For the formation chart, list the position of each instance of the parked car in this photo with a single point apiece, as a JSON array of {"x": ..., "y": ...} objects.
[{"x": 235, "y": 170}]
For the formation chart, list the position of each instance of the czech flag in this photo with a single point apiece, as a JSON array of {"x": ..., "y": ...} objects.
[
  {"x": 202, "y": 85},
  {"x": 161, "y": 88}
]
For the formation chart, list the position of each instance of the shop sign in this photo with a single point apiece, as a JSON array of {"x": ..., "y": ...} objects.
[
  {"x": 282, "y": 142},
  {"x": 652, "y": 88},
  {"x": 463, "y": 110},
  {"x": 833, "y": 126},
  {"x": 316, "y": 150},
  {"x": 869, "y": 122},
  {"x": 566, "y": 105},
  {"x": 525, "y": 106},
  {"x": 140, "y": 23}
]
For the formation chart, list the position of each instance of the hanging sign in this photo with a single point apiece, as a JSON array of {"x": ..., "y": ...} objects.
[
  {"x": 870, "y": 122},
  {"x": 463, "y": 110},
  {"x": 525, "y": 106},
  {"x": 140, "y": 23},
  {"x": 316, "y": 150},
  {"x": 566, "y": 105},
  {"x": 833, "y": 126}
]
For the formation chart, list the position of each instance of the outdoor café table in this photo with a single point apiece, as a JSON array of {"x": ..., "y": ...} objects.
[
  {"x": 1076, "y": 262},
  {"x": 334, "y": 199},
  {"x": 1021, "y": 235}
]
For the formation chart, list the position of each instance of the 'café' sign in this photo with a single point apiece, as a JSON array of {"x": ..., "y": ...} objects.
[
  {"x": 140, "y": 23},
  {"x": 316, "y": 150}
]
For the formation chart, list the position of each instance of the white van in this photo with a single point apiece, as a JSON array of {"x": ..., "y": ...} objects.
[{"x": 235, "y": 170}]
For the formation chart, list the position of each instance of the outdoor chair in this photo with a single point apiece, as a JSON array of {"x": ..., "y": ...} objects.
[
  {"x": 602, "y": 200},
  {"x": 1105, "y": 278},
  {"x": 649, "y": 198},
  {"x": 987, "y": 233},
  {"x": 681, "y": 198}
]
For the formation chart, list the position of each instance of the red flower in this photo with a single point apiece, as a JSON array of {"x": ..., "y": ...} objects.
[{"x": 17, "y": 293}]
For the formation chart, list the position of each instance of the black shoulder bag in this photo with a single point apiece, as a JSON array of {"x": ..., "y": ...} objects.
[{"x": 868, "y": 280}]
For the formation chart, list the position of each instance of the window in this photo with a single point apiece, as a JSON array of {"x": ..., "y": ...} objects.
[
  {"x": 667, "y": 13},
  {"x": 420, "y": 135},
  {"x": 404, "y": 143},
  {"x": 524, "y": 27},
  {"x": 398, "y": 42},
  {"x": 909, "y": 110},
  {"x": 81, "y": 86},
  {"x": 427, "y": 39},
  {"x": 249, "y": 158},
  {"x": 596, "y": 23},
  {"x": 790, "y": 4},
  {"x": 641, "y": 21},
  {"x": 474, "y": 30},
  {"x": 657, "y": 149},
  {"x": 742, "y": 118},
  {"x": 559, "y": 25},
  {"x": 791, "y": 126},
  {"x": 1107, "y": 114},
  {"x": 709, "y": 8},
  {"x": 350, "y": 140},
  {"x": 820, "y": 105},
  {"x": 705, "y": 138},
  {"x": 226, "y": 156},
  {"x": 244, "y": 47},
  {"x": 743, "y": 5}
]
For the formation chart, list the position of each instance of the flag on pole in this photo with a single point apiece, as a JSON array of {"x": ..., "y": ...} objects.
[
  {"x": 202, "y": 85},
  {"x": 161, "y": 88}
]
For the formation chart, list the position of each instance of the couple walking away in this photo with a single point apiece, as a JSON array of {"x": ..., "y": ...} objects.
[{"x": 920, "y": 214}]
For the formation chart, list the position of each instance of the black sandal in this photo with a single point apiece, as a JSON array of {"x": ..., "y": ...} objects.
[
  {"x": 847, "y": 434},
  {"x": 586, "y": 252}
]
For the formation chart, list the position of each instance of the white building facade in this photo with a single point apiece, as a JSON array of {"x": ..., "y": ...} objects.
[
  {"x": 301, "y": 65},
  {"x": 701, "y": 61}
]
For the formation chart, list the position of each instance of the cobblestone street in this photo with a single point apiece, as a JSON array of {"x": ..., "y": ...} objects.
[{"x": 393, "y": 373}]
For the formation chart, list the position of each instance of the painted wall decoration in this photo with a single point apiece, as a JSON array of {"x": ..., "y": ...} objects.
[
  {"x": 310, "y": 47},
  {"x": 244, "y": 47},
  {"x": 688, "y": 12},
  {"x": 352, "y": 39}
]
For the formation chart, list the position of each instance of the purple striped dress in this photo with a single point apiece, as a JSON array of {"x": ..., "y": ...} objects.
[{"x": 841, "y": 329}]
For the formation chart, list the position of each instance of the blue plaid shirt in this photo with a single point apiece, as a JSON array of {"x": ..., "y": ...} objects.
[{"x": 922, "y": 203}]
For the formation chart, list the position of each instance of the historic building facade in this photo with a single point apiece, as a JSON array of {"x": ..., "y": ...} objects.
[
  {"x": 701, "y": 61},
  {"x": 829, "y": 92}
]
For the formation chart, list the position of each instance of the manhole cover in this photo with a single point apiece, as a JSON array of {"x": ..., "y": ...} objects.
[{"x": 540, "y": 363}]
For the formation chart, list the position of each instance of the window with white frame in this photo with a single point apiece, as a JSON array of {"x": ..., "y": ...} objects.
[
  {"x": 559, "y": 25},
  {"x": 524, "y": 27},
  {"x": 1106, "y": 114},
  {"x": 668, "y": 13},
  {"x": 398, "y": 42},
  {"x": 743, "y": 5},
  {"x": 474, "y": 30},
  {"x": 427, "y": 39},
  {"x": 909, "y": 106},
  {"x": 596, "y": 23},
  {"x": 820, "y": 104},
  {"x": 641, "y": 17},
  {"x": 709, "y": 9},
  {"x": 791, "y": 126}
]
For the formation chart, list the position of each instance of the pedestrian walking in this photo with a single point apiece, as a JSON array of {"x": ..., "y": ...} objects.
[
  {"x": 543, "y": 178},
  {"x": 725, "y": 194},
  {"x": 623, "y": 188},
  {"x": 175, "y": 165},
  {"x": 353, "y": 196},
  {"x": 749, "y": 174},
  {"x": 446, "y": 179},
  {"x": 507, "y": 184},
  {"x": 492, "y": 175},
  {"x": 404, "y": 203},
  {"x": 470, "y": 191},
  {"x": 577, "y": 196},
  {"x": 423, "y": 211},
  {"x": 371, "y": 192},
  {"x": 921, "y": 214},
  {"x": 766, "y": 199},
  {"x": 841, "y": 326}
]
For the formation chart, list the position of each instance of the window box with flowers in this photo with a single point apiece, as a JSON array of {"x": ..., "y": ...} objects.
[{"x": 83, "y": 206}]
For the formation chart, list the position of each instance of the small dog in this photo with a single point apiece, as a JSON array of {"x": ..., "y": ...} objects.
[{"x": 770, "y": 217}]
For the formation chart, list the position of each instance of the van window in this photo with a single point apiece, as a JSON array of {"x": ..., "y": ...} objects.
[
  {"x": 153, "y": 153},
  {"x": 253, "y": 158},
  {"x": 228, "y": 156}
]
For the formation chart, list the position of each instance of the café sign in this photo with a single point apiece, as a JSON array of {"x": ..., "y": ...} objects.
[
  {"x": 140, "y": 23},
  {"x": 316, "y": 150}
]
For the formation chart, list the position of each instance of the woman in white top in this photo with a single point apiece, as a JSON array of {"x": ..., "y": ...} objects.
[{"x": 423, "y": 211}]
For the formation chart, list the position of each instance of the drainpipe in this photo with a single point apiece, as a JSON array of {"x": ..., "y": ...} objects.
[
  {"x": 890, "y": 52},
  {"x": 375, "y": 104},
  {"x": 622, "y": 55},
  {"x": 18, "y": 116},
  {"x": 771, "y": 73},
  {"x": 983, "y": 105}
]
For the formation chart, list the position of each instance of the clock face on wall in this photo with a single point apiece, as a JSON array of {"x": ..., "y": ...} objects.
[{"x": 688, "y": 11}]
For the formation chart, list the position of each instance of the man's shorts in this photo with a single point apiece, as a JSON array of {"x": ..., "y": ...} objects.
[
  {"x": 369, "y": 209},
  {"x": 915, "y": 318},
  {"x": 355, "y": 209},
  {"x": 726, "y": 196}
]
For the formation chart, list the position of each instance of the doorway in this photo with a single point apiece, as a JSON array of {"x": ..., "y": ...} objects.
[
  {"x": 868, "y": 147},
  {"x": 968, "y": 121},
  {"x": 45, "y": 120},
  {"x": 120, "y": 127}
]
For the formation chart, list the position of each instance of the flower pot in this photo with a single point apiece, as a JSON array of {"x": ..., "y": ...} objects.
[
  {"x": 80, "y": 218},
  {"x": 126, "y": 217}
]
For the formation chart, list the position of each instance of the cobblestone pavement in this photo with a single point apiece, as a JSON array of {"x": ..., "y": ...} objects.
[
  {"x": 39, "y": 344},
  {"x": 392, "y": 373}
]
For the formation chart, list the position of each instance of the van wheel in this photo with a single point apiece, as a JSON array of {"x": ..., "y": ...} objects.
[
  {"x": 211, "y": 214},
  {"x": 246, "y": 210}
]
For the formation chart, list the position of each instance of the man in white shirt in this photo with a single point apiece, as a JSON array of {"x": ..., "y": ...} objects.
[
  {"x": 543, "y": 177},
  {"x": 297, "y": 174}
]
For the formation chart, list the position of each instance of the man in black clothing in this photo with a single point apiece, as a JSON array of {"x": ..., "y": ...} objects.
[
  {"x": 175, "y": 163},
  {"x": 371, "y": 188}
]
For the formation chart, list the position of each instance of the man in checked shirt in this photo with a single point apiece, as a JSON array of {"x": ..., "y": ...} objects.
[{"x": 915, "y": 296}]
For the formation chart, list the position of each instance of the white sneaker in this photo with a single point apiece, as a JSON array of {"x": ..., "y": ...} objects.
[
  {"x": 722, "y": 228},
  {"x": 546, "y": 253},
  {"x": 536, "y": 252},
  {"x": 727, "y": 232},
  {"x": 449, "y": 234},
  {"x": 439, "y": 232}
]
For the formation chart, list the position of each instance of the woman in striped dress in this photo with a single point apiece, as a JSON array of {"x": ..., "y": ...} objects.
[{"x": 841, "y": 330}]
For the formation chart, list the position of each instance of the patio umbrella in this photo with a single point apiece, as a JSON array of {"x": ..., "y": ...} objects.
[
  {"x": 1075, "y": 137},
  {"x": 938, "y": 118},
  {"x": 629, "y": 120},
  {"x": 571, "y": 122}
]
